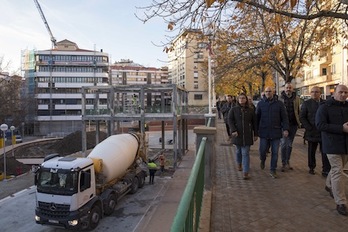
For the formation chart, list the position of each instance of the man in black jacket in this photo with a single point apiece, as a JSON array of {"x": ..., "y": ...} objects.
[
  {"x": 225, "y": 109},
  {"x": 292, "y": 105},
  {"x": 332, "y": 120},
  {"x": 312, "y": 134}
]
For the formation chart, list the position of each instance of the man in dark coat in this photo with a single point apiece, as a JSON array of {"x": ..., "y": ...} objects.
[
  {"x": 312, "y": 134},
  {"x": 218, "y": 107},
  {"x": 332, "y": 120},
  {"x": 225, "y": 109},
  {"x": 273, "y": 124},
  {"x": 292, "y": 106}
]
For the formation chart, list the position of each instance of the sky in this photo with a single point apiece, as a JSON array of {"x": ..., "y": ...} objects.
[{"x": 92, "y": 24}]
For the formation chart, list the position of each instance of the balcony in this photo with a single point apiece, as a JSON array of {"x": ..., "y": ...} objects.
[{"x": 315, "y": 80}]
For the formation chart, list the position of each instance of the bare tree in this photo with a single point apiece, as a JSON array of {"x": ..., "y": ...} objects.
[
  {"x": 4, "y": 65},
  {"x": 11, "y": 107},
  {"x": 194, "y": 12}
]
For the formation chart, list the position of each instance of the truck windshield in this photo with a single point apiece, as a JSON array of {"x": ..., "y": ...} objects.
[{"x": 57, "y": 181}]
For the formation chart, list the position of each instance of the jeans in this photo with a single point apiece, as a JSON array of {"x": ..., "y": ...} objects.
[
  {"x": 243, "y": 157},
  {"x": 286, "y": 144},
  {"x": 264, "y": 145},
  {"x": 335, "y": 179}
]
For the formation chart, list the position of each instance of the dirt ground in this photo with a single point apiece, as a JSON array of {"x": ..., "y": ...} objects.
[{"x": 70, "y": 144}]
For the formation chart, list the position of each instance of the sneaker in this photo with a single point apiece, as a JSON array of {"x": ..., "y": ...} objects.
[
  {"x": 246, "y": 176},
  {"x": 262, "y": 165},
  {"x": 289, "y": 167},
  {"x": 311, "y": 171},
  {"x": 273, "y": 174},
  {"x": 330, "y": 191},
  {"x": 240, "y": 167},
  {"x": 283, "y": 168},
  {"x": 342, "y": 209}
]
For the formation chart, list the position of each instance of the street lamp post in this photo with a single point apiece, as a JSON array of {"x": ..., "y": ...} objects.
[
  {"x": 4, "y": 128},
  {"x": 12, "y": 128}
]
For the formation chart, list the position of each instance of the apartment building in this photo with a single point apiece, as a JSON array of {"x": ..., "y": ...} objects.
[
  {"x": 326, "y": 70},
  {"x": 54, "y": 79},
  {"x": 188, "y": 67},
  {"x": 126, "y": 72}
]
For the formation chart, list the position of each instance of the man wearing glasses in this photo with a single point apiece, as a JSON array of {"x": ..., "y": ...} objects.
[
  {"x": 312, "y": 134},
  {"x": 273, "y": 124}
]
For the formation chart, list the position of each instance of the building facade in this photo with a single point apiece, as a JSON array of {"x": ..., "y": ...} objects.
[
  {"x": 126, "y": 72},
  {"x": 188, "y": 67},
  {"x": 54, "y": 80},
  {"x": 326, "y": 70}
]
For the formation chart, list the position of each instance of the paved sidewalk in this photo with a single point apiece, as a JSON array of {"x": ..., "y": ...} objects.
[
  {"x": 296, "y": 201},
  {"x": 14, "y": 185}
]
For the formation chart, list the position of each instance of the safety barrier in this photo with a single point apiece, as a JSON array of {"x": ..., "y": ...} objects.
[
  {"x": 188, "y": 215},
  {"x": 189, "y": 210}
]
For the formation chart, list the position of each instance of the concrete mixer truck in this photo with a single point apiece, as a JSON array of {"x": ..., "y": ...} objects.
[{"x": 76, "y": 193}]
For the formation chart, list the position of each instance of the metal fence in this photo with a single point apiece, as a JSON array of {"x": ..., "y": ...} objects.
[
  {"x": 189, "y": 210},
  {"x": 188, "y": 214}
]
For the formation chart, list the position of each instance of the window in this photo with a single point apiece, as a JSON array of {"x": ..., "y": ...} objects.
[
  {"x": 323, "y": 72},
  {"x": 85, "y": 176},
  {"x": 198, "y": 96},
  {"x": 195, "y": 74},
  {"x": 333, "y": 68},
  {"x": 201, "y": 45},
  {"x": 195, "y": 85},
  {"x": 199, "y": 55}
]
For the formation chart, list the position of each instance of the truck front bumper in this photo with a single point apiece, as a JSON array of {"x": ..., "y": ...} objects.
[{"x": 74, "y": 220}]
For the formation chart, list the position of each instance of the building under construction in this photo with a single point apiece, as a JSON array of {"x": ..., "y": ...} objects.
[{"x": 135, "y": 103}]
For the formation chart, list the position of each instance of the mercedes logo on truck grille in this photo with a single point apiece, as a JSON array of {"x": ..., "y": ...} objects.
[{"x": 53, "y": 207}]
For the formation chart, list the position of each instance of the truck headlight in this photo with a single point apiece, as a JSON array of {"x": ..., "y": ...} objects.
[
  {"x": 37, "y": 218},
  {"x": 73, "y": 222}
]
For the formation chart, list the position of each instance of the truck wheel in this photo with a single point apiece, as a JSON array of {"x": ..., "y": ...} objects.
[
  {"x": 94, "y": 217},
  {"x": 135, "y": 185},
  {"x": 141, "y": 180},
  {"x": 110, "y": 204}
]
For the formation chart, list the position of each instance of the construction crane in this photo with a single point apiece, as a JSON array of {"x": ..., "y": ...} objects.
[
  {"x": 50, "y": 61},
  {"x": 53, "y": 40}
]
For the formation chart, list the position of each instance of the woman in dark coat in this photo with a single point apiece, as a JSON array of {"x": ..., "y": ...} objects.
[{"x": 242, "y": 122}]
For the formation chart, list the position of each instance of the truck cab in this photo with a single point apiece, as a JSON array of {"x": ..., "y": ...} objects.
[
  {"x": 76, "y": 192},
  {"x": 64, "y": 186}
]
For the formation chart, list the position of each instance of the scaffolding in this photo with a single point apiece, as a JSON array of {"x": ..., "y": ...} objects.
[{"x": 140, "y": 104}]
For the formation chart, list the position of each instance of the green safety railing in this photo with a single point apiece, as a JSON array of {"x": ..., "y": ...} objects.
[
  {"x": 209, "y": 122},
  {"x": 188, "y": 214}
]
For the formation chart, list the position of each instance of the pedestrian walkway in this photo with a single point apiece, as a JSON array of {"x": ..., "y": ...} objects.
[{"x": 295, "y": 201}]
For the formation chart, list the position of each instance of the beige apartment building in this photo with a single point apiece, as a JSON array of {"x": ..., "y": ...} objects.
[
  {"x": 126, "y": 72},
  {"x": 326, "y": 70},
  {"x": 187, "y": 66}
]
